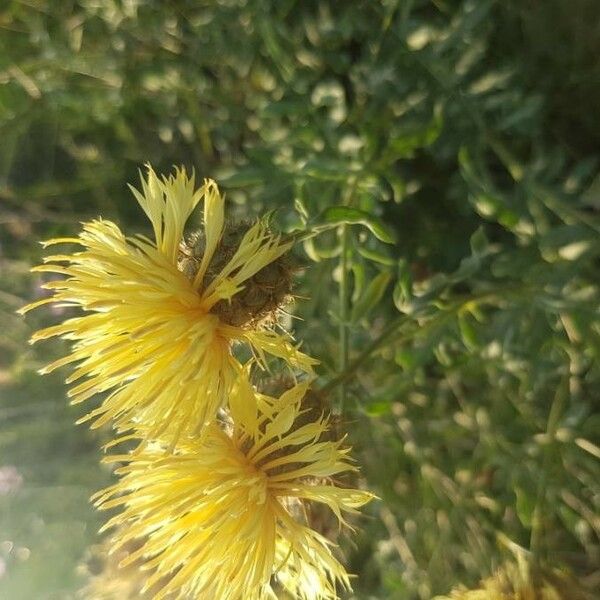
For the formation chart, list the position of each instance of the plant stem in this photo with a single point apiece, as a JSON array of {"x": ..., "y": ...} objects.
[
  {"x": 343, "y": 314},
  {"x": 421, "y": 328},
  {"x": 344, "y": 351},
  {"x": 537, "y": 524},
  {"x": 350, "y": 370}
]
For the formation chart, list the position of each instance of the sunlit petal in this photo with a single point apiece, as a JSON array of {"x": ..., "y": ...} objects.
[{"x": 223, "y": 517}]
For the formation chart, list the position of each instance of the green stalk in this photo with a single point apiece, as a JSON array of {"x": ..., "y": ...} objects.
[
  {"x": 344, "y": 351},
  {"x": 343, "y": 314},
  {"x": 350, "y": 370},
  {"x": 421, "y": 327},
  {"x": 537, "y": 522}
]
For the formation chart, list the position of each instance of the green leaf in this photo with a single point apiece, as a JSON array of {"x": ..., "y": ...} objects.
[
  {"x": 403, "y": 289},
  {"x": 569, "y": 517},
  {"x": 479, "y": 242},
  {"x": 358, "y": 270},
  {"x": 469, "y": 265},
  {"x": 301, "y": 209},
  {"x": 411, "y": 138},
  {"x": 377, "y": 409},
  {"x": 377, "y": 257},
  {"x": 525, "y": 506},
  {"x": 340, "y": 215},
  {"x": 370, "y": 296},
  {"x": 493, "y": 208},
  {"x": 244, "y": 178},
  {"x": 318, "y": 253},
  {"x": 325, "y": 169},
  {"x": 408, "y": 359},
  {"x": 398, "y": 186},
  {"x": 467, "y": 331}
]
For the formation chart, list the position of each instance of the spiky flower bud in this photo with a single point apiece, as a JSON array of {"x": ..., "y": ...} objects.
[{"x": 263, "y": 294}]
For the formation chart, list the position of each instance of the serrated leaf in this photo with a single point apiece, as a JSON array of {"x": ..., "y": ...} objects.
[
  {"x": 340, "y": 215},
  {"x": 370, "y": 296}
]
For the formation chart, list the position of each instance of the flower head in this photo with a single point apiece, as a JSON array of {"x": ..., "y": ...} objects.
[
  {"x": 225, "y": 516},
  {"x": 522, "y": 581},
  {"x": 157, "y": 331}
]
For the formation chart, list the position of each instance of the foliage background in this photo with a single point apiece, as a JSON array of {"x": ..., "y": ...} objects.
[{"x": 458, "y": 331}]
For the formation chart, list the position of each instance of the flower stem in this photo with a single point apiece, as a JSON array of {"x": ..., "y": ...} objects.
[
  {"x": 537, "y": 523},
  {"x": 344, "y": 350},
  {"x": 343, "y": 314},
  {"x": 421, "y": 327},
  {"x": 351, "y": 369}
]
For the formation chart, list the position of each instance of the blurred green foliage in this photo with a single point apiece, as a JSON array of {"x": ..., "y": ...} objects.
[{"x": 441, "y": 158}]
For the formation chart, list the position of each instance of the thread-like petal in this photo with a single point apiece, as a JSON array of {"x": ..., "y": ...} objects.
[
  {"x": 148, "y": 340},
  {"x": 224, "y": 517}
]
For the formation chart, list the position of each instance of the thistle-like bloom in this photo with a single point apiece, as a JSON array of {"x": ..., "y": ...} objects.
[
  {"x": 161, "y": 316},
  {"x": 226, "y": 516},
  {"x": 524, "y": 582}
]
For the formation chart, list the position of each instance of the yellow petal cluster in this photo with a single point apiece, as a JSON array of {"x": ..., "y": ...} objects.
[
  {"x": 215, "y": 501},
  {"x": 223, "y": 516},
  {"x": 521, "y": 581},
  {"x": 148, "y": 342}
]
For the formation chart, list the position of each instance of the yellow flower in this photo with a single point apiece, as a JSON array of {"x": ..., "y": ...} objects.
[
  {"x": 225, "y": 517},
  {"x": 156, "y": 339},
  {"x": 522, "y": 581}
]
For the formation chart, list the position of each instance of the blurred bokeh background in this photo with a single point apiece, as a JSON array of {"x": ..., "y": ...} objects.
[{"x": 458, "y": 332}]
